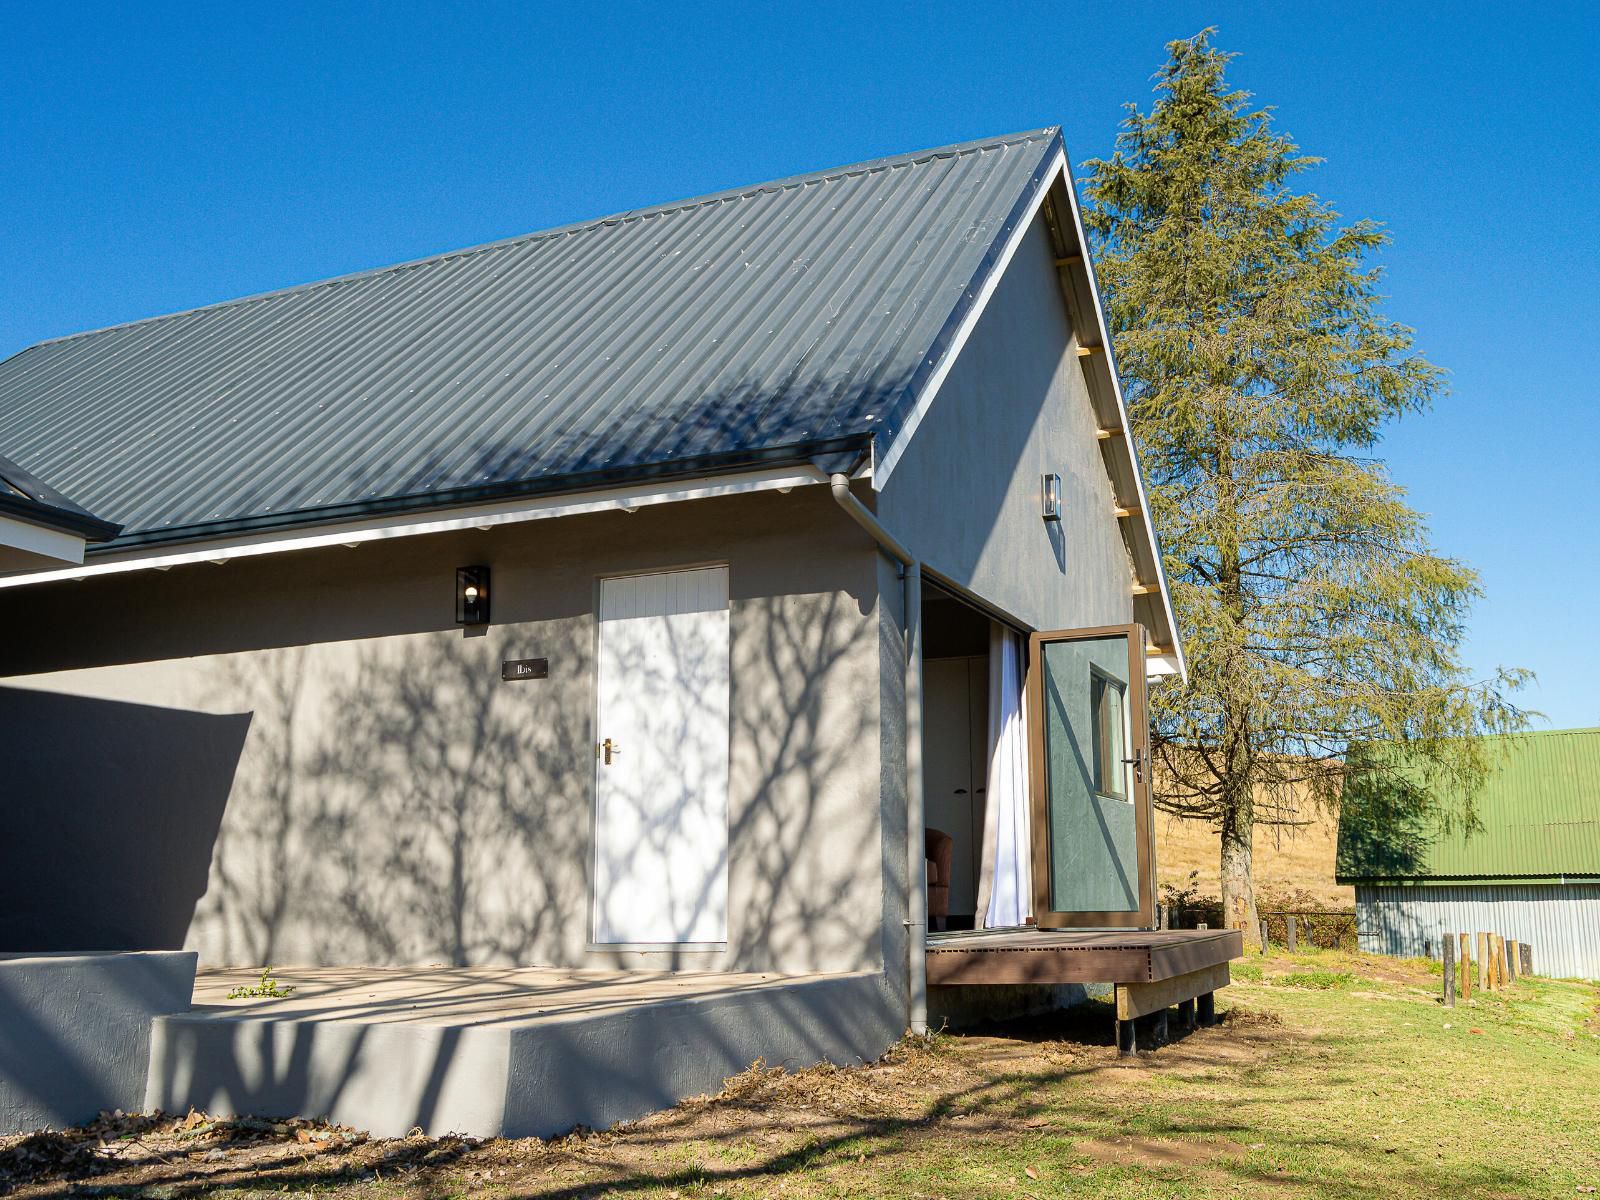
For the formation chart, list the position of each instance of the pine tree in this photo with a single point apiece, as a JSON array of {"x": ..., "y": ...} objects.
[{"x": 1260, "y": 372}]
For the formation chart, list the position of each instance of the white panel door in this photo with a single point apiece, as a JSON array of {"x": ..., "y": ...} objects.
[{"x": 661, "y": 802}]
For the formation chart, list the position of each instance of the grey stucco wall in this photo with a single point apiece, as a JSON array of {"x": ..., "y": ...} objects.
[
  {"x": 75, "y": 1032},
  {"x": 965, "y": 495},
  {"x": 385, "y": 798}
]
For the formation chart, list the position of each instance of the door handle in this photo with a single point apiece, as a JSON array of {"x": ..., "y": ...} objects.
[
  {"x": 605, "y": 750},
  {"x": 1137, "y": 763}
]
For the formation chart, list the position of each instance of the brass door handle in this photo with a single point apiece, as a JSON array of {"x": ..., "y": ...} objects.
[{"x": 606, "y": 749}]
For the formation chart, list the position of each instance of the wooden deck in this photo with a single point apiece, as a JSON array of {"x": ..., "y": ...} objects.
[{"x": 1031, "y": 955}]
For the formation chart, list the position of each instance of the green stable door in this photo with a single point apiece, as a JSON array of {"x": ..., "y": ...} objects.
[{"x": 1093, "y": 837}]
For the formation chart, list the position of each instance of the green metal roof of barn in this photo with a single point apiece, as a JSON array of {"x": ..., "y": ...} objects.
[
  {"x": 1538, "y": 812},
  {"x": 764, "y": 325}
]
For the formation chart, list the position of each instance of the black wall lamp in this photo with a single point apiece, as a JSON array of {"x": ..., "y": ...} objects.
[
  {"x": 472, "y": 595},
  {"x": 1050, "y": 498}
]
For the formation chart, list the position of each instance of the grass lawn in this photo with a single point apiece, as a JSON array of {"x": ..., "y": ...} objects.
[{"x": 1332, "y": 1075}]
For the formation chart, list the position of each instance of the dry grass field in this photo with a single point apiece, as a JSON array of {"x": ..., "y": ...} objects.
[{"x": 1294, "y": 865}]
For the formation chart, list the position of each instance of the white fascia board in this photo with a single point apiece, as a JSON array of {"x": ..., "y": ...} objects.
[
  {"x": 25, "y": 536},
  {"x": 1159, "y": 665},
  {"x": 1177, "y": 656},
  {"x": 883, "y": 467},
  {"x": 486, "y": 516}
]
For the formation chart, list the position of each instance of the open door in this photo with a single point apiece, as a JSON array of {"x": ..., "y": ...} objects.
[{"x": 1093, "y": 838}]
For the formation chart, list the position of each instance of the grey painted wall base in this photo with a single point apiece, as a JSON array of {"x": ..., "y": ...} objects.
[
  {"x": 538, "y": 1077},
  {"x": 964, "y": 1007},
  {"x": 75, "y": 1032}
]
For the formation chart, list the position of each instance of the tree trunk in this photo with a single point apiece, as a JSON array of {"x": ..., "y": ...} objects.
[
  {"x": 1238, "y": 753},
  {"x": 1238, "y": 873}
]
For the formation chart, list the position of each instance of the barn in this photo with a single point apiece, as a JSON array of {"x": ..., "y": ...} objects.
[{"x": 1529, "y": 870}]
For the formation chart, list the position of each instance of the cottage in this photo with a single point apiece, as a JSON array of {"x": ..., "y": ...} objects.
[
  {"x": 731, "y": 588},
  {"x": 1529, "y": 871}
]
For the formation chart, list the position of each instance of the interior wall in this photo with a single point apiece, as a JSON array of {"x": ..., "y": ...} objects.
[
  {"x": 955, "y": 766},
  {"x": 965, "y": 496},
  {"x": 392, "y": 801}
]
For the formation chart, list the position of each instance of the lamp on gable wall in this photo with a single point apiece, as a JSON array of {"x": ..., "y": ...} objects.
[
  {"x": 1050, "y": 498},
  {"x": 472, "y": 595}
]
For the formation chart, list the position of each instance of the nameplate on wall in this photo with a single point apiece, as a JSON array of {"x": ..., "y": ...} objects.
[{"x": 524, "y": 668}]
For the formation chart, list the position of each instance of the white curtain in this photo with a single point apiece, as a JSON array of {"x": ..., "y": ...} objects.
[{"x": 1005, "y": 879}]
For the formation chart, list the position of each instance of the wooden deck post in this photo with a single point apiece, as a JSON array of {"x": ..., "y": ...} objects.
[
  {"x": 1127, "y": 1039},
  {"x": 1448, "y": 946},
  {"x": 1208, "y": 1008}
]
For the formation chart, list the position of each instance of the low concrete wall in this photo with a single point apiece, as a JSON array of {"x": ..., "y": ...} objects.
[
  {"x": 598, "y": 1071},
  {"x": 539, "y": 1077},
  {"x": 75, "y": 1032}
]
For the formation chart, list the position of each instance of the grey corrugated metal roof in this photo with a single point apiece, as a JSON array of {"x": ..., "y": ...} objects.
[
  {"x": 761, "y": 324},
  {"x": 29, "y": 499}
]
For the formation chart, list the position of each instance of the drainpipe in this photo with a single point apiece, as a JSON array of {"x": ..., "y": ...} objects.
[{"x": 916, "y": 852}]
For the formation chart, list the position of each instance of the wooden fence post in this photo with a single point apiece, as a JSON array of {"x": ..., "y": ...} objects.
[
  {"x": 1485, "y": 983},
  {"x": 1292, "y": 940},
  {"x": 1263, "y": 937},
  {"x": 1449, "y": 948},
  {"x": 1526, "y": 966},
  {"x": 1513, "y": 959},
  {"x": 1466, "y": 966},
  {"x": 1497, "y": 949}
]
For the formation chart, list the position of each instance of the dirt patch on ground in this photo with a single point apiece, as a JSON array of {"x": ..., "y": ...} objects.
[{"x": 1159, "y": 1152}]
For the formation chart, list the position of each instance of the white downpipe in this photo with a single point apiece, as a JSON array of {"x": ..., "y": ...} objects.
[{"x": 916, "y": 851}]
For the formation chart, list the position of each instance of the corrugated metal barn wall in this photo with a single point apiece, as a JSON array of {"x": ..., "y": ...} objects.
[{"x": 1560, "y": 921}]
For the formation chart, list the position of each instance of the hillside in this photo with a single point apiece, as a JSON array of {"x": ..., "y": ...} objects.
[{"x": 1289, "y": 860}]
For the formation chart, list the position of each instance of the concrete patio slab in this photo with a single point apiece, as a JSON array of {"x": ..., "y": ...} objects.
[{"x": 500, "y": 1052}]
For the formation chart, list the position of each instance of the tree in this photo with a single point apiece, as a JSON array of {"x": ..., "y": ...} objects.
[{"x": 1260, "y": 372}]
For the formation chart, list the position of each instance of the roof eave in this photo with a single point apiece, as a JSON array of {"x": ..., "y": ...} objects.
[{"x": 847, "y": 450}]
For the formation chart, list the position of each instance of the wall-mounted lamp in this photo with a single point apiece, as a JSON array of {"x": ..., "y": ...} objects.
[
  {"x": 472, "y": 595},
  {"x": 1050, "y": 498}
]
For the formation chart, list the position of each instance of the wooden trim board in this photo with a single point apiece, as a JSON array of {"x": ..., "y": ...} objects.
[{"x": 1142, "y": 999}]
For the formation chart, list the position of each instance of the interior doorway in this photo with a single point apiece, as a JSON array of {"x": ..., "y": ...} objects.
[{"x": 955, "y": 752}]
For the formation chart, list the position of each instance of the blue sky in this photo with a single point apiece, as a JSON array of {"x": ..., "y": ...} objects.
[{"x": 157, "y": 158}]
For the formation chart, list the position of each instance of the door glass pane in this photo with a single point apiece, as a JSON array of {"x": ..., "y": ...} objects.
[
  {"x": 1108, "y": 717},
  {"x": 1094, "y": 859}
]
